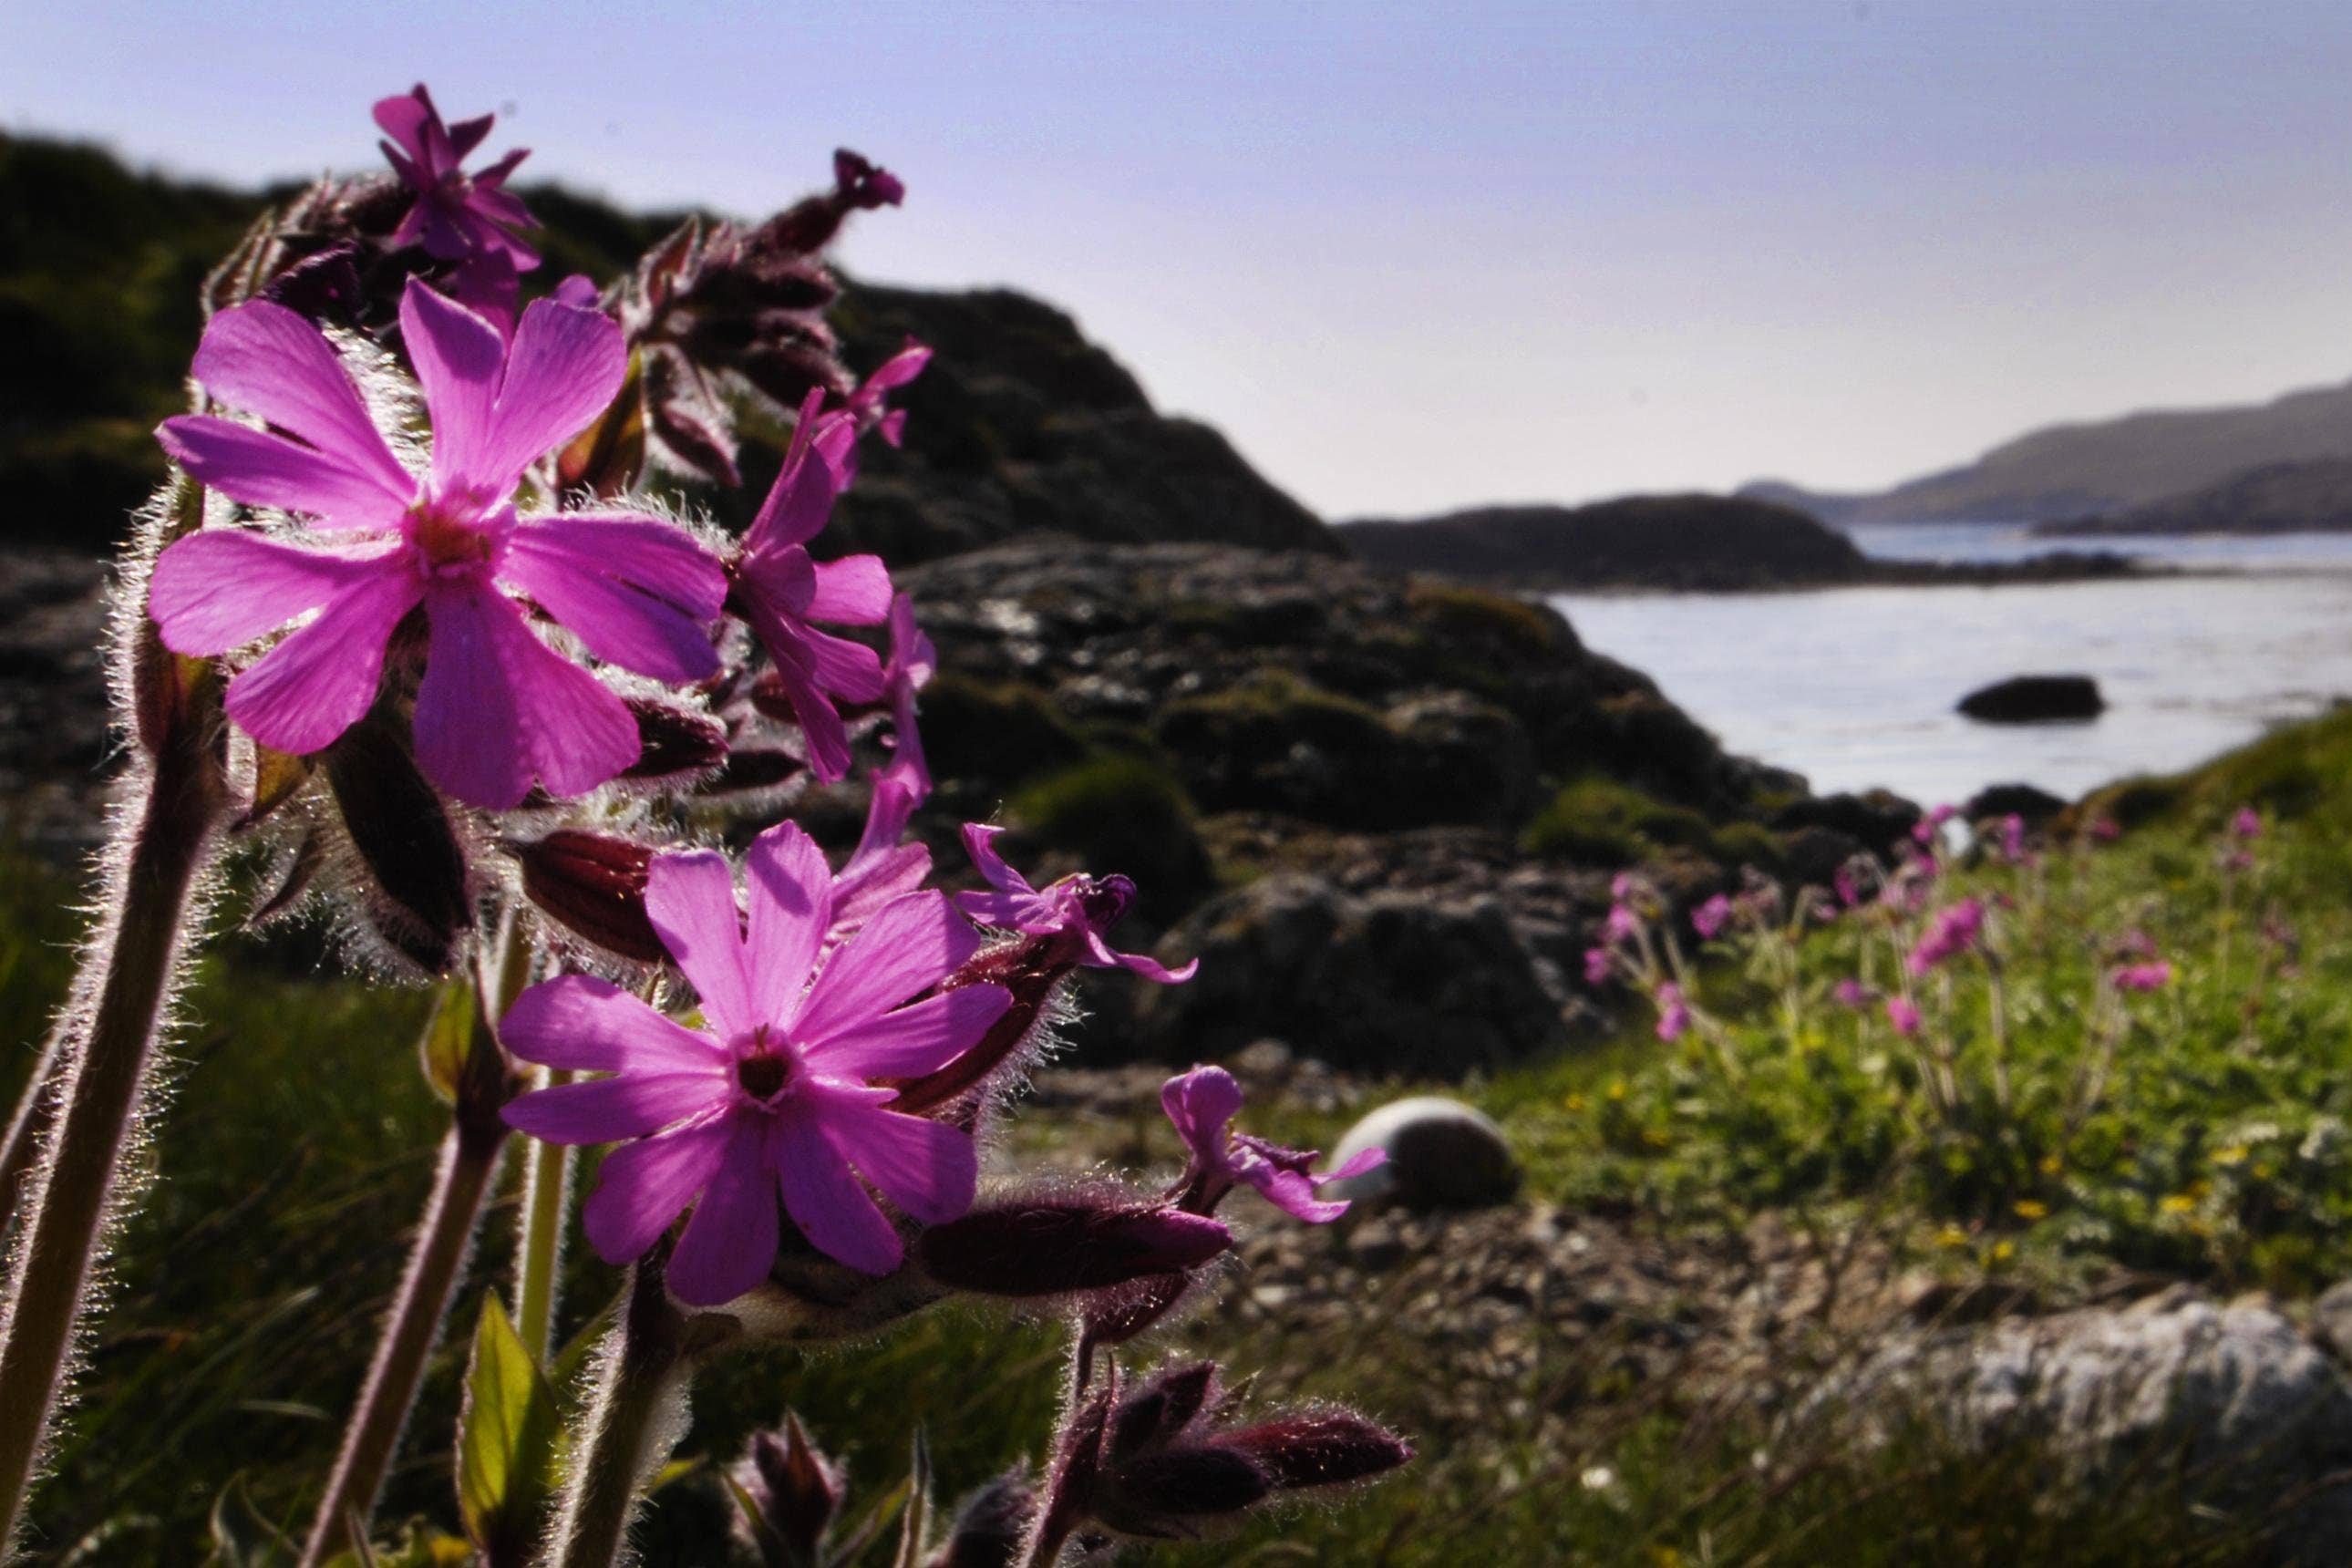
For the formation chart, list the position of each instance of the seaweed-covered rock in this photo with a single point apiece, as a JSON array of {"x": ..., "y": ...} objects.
[{"x": 2035, "y": 699}]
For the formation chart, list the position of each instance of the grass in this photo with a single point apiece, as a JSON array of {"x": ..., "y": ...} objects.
[{"x": 297, "y": 1153}]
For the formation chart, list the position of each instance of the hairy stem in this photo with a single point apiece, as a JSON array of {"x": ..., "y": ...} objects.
[
  {"x": 637, "y": 1413},
  {"x": 469, "y": 1160},
  {"x": 73, "y": 1190},
  {"x": 538, "y": 1249},
  {"x": 37, "y": 1112}
]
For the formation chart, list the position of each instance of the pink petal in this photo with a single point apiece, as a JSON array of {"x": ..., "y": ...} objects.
[
  {"x": 1203, "y": 1103},
  {"x": 846, "y": 669},
  {"x": 784, "y": 579},
  {"x": 498, "y": 707},
  {"x": 403, "y": 120},
  {"x": 1151, "y": 968},
  {"x": 854, "y": 590},
  {"x": 222, "y": 587},
  {"x": 920, "y": 1038},
  {"x": 731, "y": 1243},
  {"x": 792, "y": 905},
  {"x": 607, "y": 1109},
  {"x": 900, "y": 368},
  {"x": 267, "y": 359},
  {"x": 911, "y": 945},
  {"x": 1004, "y": 909},
  {"x": 642, "y": 1187},
  {"x": 1366, "y": 1160},
  {"x": 798, "y": 504},
  {"x": 826, "y": 1201},
  {"x": 823, "y": 736},
  {"x": 980, "y": 843},
  {"x": 1294, "y": 1194},
  {"x": 581, "y": 1024},
  {"x": 457, "y": 356},
  {"x": 262, "y": 469},
  {"x": 316, "y": 684},
  {"x": 637, "y": 591},
  {"x": 467, "y": 134},
  {"x": 690, "y": 898},
  {"x": 867, "y": 883},
  {"x": 928, "y": 1168},
  {"x": 566, "y": 365}
]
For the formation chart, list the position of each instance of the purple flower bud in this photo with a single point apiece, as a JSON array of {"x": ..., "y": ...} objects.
[
  {"x": 1329, "y": 1448},
  {"x": 417, "y": 897},
  {"x": 593, "y": 885},
  {"x": 1169, "y": 1496},
  {"x": 672, "y": 742},
  {"x": 1710, "y": 918},
  {"x": 793, "y": 1493},
  {"x": 1053, "y": 1247},
  {"x": 1902, "y": 1015},
  {"x": 989, "y": 1525},
  {"x": 861, "y": 183}
]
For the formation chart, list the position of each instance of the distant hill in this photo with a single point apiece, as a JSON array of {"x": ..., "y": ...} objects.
[
  {"x": 1021, "y": 425},
  {"x": 2102, "y": 467},
  {"x": 1693, "y": 541},
  {"x": 2278, "y": 498}
]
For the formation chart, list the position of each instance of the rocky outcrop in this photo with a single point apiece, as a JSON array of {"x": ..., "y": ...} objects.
[
  {"x": 2276, "y": 498},
  {"x": 2231, "y": 1402},
  {"x": 1441, "y": 1154},
  {"x": 1686, "y": 542},
  {"x": 2035, "y": 699},
  {"x": 1021, "y": 425}
]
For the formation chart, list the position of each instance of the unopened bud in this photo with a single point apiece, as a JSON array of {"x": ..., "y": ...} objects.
[
  {"x": 1318, "y": 1449},
  {"x": 1055, "y": 1245},
  {"x": 1156, "y": 1412},
  {"x": 592, "y": 885},
  {"x": 989, "y": 1525},
  {"x": 786, "y": 1497},
  {"x": 753, "y": 768},
  {"x": 1170, "y": 1495},
  {"x": 674, "y": 740},
  {"x": 419, "y": 901}
]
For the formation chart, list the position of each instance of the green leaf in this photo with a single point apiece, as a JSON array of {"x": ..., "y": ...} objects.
[
  {"x": 241, "y": 1537},
  {"x": 509, "y": 1443},
  {"x": 449, "y": 1039}
]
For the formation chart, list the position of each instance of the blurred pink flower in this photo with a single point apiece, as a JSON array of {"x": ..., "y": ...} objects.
[
  {"x": 1851, "y": 992},
  {"x": 498, "y": 709},
  {"x": 1952, "y": 932},
  {"x": 1599, "y": 965},
  {"x": 1674, "y": 1012},
  {"x": 2151, "y": 976},
  {"x": 457, "y": 216},
  {"x": 1080, "y": 909},
  {"x": 775, "y": 1097},
  {"x": 1903, "y": 1015},
  {"x": 1203, "y": 1104},
  {"x": 1709, "y": 919}
]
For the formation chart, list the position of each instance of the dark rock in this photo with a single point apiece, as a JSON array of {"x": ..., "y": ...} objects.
[
  {"x": 1020, "y": 425},
  {"x": 1442, "y": 1155},
  {"x": 1387, "y": 980},
  {"x": 2034, "y": 804},
  {"x": 1878, "y": 820},
  {"x": 2035, "y": 699},
  {"x": 1686, "y": 542}
]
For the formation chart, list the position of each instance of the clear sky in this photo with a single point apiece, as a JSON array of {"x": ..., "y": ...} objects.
[{"x": 1418, "y": 257}]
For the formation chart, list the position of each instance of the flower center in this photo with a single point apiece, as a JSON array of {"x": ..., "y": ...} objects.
[
  {"x": 764, "y": 1072},
  {"x": 455, "y": 534}
]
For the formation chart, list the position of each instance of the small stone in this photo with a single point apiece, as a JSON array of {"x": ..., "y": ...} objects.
[
  {"x": 1441, "y": 1154},
  {"x": 1375, "y": 1246},
  {"x": 2331, "y": 1318}
]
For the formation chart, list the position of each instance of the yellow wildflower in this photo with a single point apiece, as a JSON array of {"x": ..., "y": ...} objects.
[
  {"x": 2235, "y": 1155},
  {"x": 2178, "y": 1203},
  {"x": 2031, "y": 1208},
  {"x": 1951, "y": 1236}
]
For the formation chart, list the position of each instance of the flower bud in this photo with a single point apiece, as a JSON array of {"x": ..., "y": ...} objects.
[
  {"x": 786, "y": 1496},
  {"x": 749, "y": 769},
  {"x": 989, "y": 1525},
  {"x": 1052, "y": 1247},
  {"x": 674, "y": 740},
  {"x": 417, "y": 899},
  {"x": 1172, "y": 1494},
  {"x": 1317, "y": 1449},
  {"x": 593, "y": 885}
]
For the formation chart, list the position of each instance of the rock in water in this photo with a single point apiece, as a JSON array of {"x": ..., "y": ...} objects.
[
  {"x": 2231, "y": 1401},
  {"x": 2035, "y": 699},
  {"x": 1441, "y": 1154}
]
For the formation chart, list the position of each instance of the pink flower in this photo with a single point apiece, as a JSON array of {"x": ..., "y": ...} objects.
[
  {"x": 1673, "y": 1013},
  {"x": 498, "y": 707},
  {"x": 457, "y": 216},
  {"x": 1925, "y": 831},
  {"x": 1709, "y": 919},
  {"x": 2105, "y": 829},
  {"x": 775, "y": 1097},
  {"x": 2142, "y": 977},
  {"x": 1902, "y": 1015},
  {"x": 1600, "y": 965},
  {"x": 1621, "y": 924},
  {"x": 880, "y": 869},
  {"x": 1078, "y": 909},
  {"x": 1848, "y": 886},
  {"x": 1851, "y": 992},
  {"x": 865, "y": 404},
  {"x": 1953, "y": 929},
  {"x": 780, "y": 590},
  {"x": 2012, "y": 839},
  {"x": 912, "y": 663},
  {"x": 1203, "y": 1104}
]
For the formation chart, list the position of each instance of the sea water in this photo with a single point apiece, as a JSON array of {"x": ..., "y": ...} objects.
[{"x": 1855, "y": 687}]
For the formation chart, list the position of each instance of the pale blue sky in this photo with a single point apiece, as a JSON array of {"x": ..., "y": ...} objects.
[{"x": 1415, "y": 256}]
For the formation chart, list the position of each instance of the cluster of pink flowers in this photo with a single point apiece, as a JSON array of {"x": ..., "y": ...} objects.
[{"x": 1953, "y": 930}]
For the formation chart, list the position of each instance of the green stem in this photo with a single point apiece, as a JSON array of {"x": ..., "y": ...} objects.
[
  {"x": 74, "y": 1188},
  {"x": 538, "y": 1250},
  {"x": 635, "y": 1415},
  {"x": 469, "y": 1160}
]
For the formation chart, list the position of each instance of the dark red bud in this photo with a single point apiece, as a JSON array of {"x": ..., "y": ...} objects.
[
  {"x": 1115, "y": 1317},
  {"x": 1164, "y": 1494},
  {"x": 405, "y": 838},
  {"x": 989, "y": 1525},
  {"x": 1029, "y": 969},
  {"x": 693, "y": 436},
  {"x": 1318, "y": 1449},
  {"x": 674, "y": 740},
  {"x": 1051, "y": 1246},
  {"x": 1170, "y": 1401},
  {"x": 793, "y": 1491},
  {"x": 864, "y": 183},
  {"x": 592, "y": 885}
]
